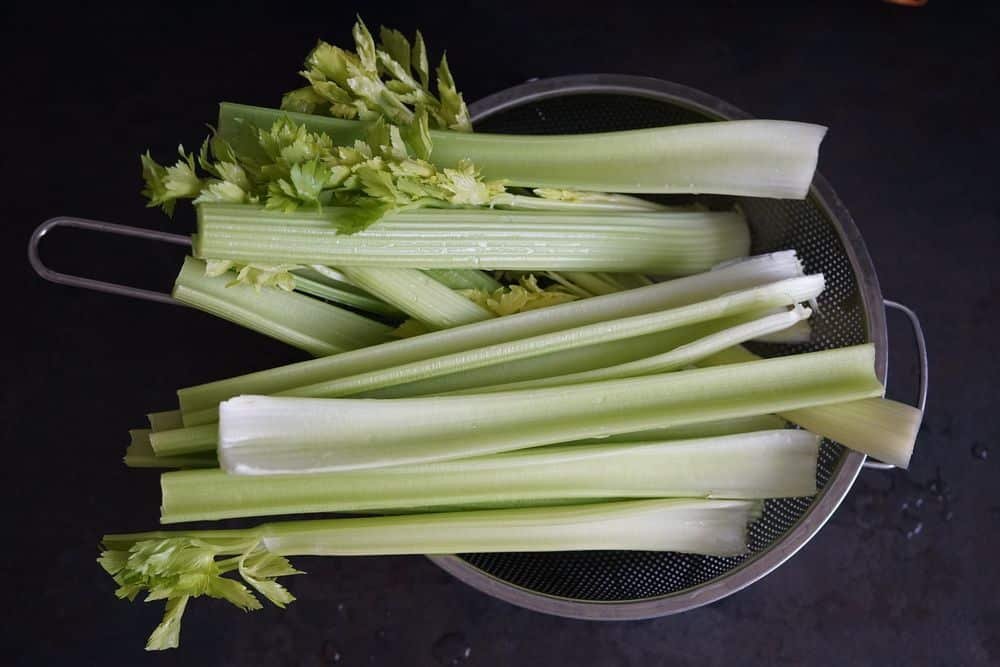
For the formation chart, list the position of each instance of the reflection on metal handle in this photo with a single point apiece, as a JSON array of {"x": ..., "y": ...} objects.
[
  {"x": 918, "y": 334},
  {"x": 90, "y": 283}
]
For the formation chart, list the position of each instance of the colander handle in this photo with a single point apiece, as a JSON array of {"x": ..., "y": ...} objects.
[
  {"x": 918, "y": 335},
  {"x": 90, "y": 283}
]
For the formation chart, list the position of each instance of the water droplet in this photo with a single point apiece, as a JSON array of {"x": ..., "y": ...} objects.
[
  {"x": 381, "y": 634},
  {"x": 330, "y": 653},
  {"x": 911, "y": 527},
  {"x": 451, "y": 649},
  {"x": 980, "y": 451}
]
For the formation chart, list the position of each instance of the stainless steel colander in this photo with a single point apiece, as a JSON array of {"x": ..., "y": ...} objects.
[
  {"x": 617, "y": 585},
  {"x": 631, "y": 585}
]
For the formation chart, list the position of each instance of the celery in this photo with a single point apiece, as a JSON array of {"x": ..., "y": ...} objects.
[
  {"x": 317, "y": 281},
  {"x": 878, "y": 427},
  {"x": 464, "y": 279},
  {"x": 739, "y": 275},
  {"x": 665, "y": 243},
  {"x": 140, "y": 454},
  {"x": 712, "y": 429},
  {"x": 754, "y": 158},
  {"x": 674, "y": 359},
  {"x": 185, "y": 440},
  {"x": 303, "y": 322},
  {"x": 418, "y": 295},
  {"x": 177, "y": 566},
  {"x": 162, "y": 421},
  {"x": 765, "y": 464},
  {"x": 262, "y": 435}
]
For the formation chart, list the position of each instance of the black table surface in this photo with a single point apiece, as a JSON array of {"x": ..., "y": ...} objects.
[{"x": 905, "y": 571}]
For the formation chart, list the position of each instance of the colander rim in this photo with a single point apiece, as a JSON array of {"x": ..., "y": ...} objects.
[{"x": 841, "y": 479}]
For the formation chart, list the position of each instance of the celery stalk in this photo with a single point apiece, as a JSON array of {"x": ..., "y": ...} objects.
[
  {"x": 303, "y": 322},
  {"x": 313, "y": 281},
  {"x": 674, "y": 359},
  {"x": 754, "y": 158},
  {"x": 162, "y": 421},
  {"x": 179, "y": 565},
  {"x": 878, "y": 427},
  {"x": 140, "y": 454},
  {"x": 665, "y": 243},
  {"x": 185, "y": 440},
  {"x": 740, "y": 275},
  {"x": 264, "y": 435},
  {"x": 712, "y": 429},
  {"x": 464, "y": 279},
  {"x": 765, "y": 464},
  {"x": 418, "y": 295}
]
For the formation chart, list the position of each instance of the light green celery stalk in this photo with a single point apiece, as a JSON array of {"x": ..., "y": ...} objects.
[
  {"x": 285, "y": 435},
  {"x": 418, "y": 295},
  {"x": 676, "y": 358},
  {"x": 712, "y": 429},
  {"x": 140, "y": 454},
  {"x": 177, "y": 566},
  {"x": 464, "y": 279},
  {"x": 669, "y": 244},
  {"x": 878, "y": 427},
  {"x": 577, "y": 360},
  {"x": 595, "y": 283},
  {"x": 315, "y": 281},
  {"x": 764, "y": 464},
  {"x": 568, "y": 200},
  {"x": 306, "y": 323},
  {"x": 184, "y": 441},
  {"x": 754, "y": 158},
  {"x": 389, "y": 79},
  {"x": 162, "y": 421},
  {"x": 754, "y": 271}
]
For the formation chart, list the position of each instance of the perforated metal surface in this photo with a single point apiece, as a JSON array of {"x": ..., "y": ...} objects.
[{"x": 653, "y": 583}]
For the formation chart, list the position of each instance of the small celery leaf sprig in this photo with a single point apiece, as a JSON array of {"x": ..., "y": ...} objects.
[
  {"x": 390, "y": 79},
  {"x": 526, "y": 295},
  {"x": 177, "y": 569},
  {"x": 287, "y": 167},
  {"x": 257, "y": 276}
]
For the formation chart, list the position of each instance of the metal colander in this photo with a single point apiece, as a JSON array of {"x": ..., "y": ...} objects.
[{"x": 630, "y": 584}]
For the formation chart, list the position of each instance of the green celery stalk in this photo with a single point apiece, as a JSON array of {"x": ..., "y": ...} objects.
[
  {"x": 277, "y": 435},
  {"x": 140, "y": 454},
  {"x": 759, "y": 270},
  {"x": 666, "y": 243},
  {"x": 765, "y": 464},
  {"x": 597, "y": 202},
  {"x": 418, "y": 295},
  {"x": 315, "y": 281},
  {"x": 162, "y": 421},
  {"x": 177, "y": 566},
  {"x": 712, "y": 429},
  {"x": 674, "y": 359},
  {"x": 303, "y": 322},
  {"x": 184, "y": 440},
  {"x": 754, "y": 158},
  {"x": 878, "y": 426},
  {"x": 464, "y": 279}
]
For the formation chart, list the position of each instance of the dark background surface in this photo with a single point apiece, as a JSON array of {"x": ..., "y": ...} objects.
[{"x": 904, "y": 573}]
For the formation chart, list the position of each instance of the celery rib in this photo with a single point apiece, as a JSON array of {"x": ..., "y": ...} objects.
[
  {"x": 671, "y": 244},
  {"x": 753, "y": 158},
  {"x": 303, "y": 322},
  {"x": 265, "y": 435},
  {"x": 764, "y": 464}
]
